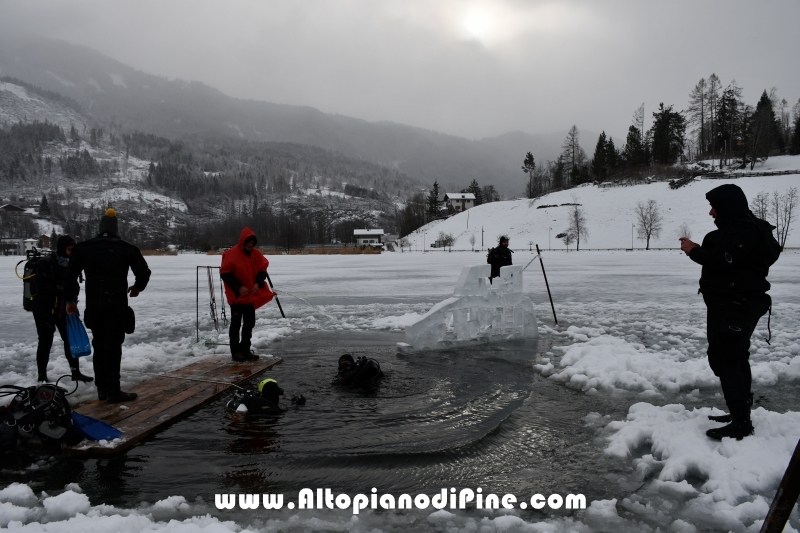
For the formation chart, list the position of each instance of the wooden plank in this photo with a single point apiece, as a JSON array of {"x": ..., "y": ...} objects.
[{"x": 163, "y": 400}]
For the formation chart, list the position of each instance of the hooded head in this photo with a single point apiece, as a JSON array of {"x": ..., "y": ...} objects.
[
  {"x": 247, "y": 235},
  {"x": 346, "y": 362},
  {"x": 729, "y": 202},
  {"x": 62, "y": 243},
  {"x": 108, "y": 223},
  {"x": 270, "y": 390},
  {"x": 502, "y": 239}
]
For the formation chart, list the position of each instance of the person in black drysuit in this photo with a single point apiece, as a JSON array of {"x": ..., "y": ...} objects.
[
  {"x": 358, "y": 373},
  {"x": 105, "y": 260},
  {"x": 499, "y": 256},
  {"x": 49, "y": 308},
  {"x": 735, "y": 260}
]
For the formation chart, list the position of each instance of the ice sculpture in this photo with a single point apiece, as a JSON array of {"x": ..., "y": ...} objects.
[{"x": 477, "y": 312}]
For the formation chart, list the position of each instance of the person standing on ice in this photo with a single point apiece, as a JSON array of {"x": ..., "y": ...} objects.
[
  {"x": 244, "y": 272},
  {"x": 499, "y": 256},
  {"x": 49, "y": 308},
  {"x": 105, "y": 260},
  {"x": 735, "y": 258}
]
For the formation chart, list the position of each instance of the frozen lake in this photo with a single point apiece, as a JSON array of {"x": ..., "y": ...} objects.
[{"x": 518, "y": 418}]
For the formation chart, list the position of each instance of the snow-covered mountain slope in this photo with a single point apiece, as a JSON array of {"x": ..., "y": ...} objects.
[
  {"x": 18, "y": 104},
  {"x": 609, "y": 214}
]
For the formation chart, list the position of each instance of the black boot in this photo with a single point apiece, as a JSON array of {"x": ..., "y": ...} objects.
[
  {"x": 737, "y": 429},
  {"x": 119, "y": 397},
  {"x": 101, "y": 394},
  {"x": 42, "y": 378},
  {"x": 250, "y": 356},
  {"x": 728, "y": 418},
  {"x": 77, "y": 376}
]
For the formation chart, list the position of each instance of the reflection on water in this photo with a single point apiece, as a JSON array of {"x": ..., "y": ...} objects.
[{"x": 477, "y": 417}]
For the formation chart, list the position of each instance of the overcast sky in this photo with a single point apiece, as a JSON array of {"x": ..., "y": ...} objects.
[{"x": 470, "y": 68}]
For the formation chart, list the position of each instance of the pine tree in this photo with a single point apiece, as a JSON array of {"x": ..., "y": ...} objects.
[
  {"x": 764, "y": 130},
  {"x": 728, "y": 115},
  {"x": 612, "y": 157},
  {"x": 433, "y": 201},
  {"x": 572, "y": 153},
  {"x": 634, "y": 150},
  {"x": 712, "y": 99},
  {"x": 668, "y": 135},
  {"x": 599, "y": 164},
  {"x": 44, "y": 207},
  {"x": 794, "y": 147},
  {"x": 528, "y": 167},
  {"x": 475, "y": 189}
]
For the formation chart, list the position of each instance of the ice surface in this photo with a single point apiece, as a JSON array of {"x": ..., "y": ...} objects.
[{"x": 479, "y": 311}]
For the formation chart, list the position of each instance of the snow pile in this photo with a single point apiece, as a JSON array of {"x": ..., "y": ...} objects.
[
  {"x": 656, "y": 349},
  {"x": 719, "y": 485}
]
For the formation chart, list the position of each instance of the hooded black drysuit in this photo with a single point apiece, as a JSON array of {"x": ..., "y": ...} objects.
[{"x": 734, "y": 286}]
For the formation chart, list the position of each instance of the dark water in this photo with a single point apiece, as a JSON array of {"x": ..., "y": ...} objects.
[{"x": 479, "y": 417}]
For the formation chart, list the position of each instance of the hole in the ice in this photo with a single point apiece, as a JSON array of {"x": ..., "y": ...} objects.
[
  {"x": 696, "y": 478},
  {"x": 643, "y": 449}
]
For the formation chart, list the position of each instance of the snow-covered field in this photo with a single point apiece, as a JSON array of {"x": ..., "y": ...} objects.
[
  {"x": 630, "y": 325},
  {"x": 609, "y": 214}
]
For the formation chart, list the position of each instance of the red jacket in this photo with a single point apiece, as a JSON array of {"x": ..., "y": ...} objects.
[{"x": 245, "y": 269}]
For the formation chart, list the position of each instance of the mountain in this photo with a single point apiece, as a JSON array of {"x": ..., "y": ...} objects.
[{"x": 113, "y": 93}]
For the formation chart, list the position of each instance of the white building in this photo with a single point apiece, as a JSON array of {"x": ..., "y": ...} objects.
[
  {"x": 460, "y": 201},
  {"x": 369, "y": 237}
]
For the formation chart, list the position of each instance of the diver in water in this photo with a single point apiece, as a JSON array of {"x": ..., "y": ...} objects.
[
  {"x": 264, "y": 401},
  {"x": 359, "y": 372}
]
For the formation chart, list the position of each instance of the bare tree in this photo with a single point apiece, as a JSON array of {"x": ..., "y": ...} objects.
[
  {"x": 760, "y": 205},
  {"x": 650, "y": 219},
  {"x": 697, "y": 113},
  {"x": 446, "y": 239},
  {"x": 784, "y": 207},
  {"x": 577, "y": 223},
  {"x": 567, "y": 237},
  {"x": 684, "y": 231},
  {"x": 638, "y": 119},
  {"x": 472, "y": 241}
]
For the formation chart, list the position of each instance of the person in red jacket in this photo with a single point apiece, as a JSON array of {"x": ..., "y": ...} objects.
[{"x": 244, "y": 271}]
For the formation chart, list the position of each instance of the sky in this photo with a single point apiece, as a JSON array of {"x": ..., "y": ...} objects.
[{"x": 472, "y": 68}]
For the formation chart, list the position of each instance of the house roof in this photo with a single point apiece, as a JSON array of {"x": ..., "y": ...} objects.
[
  {"x": 460, "y": 196},
  {"x": 10, "y": 207},
  {"x": 365, "y": 232}
]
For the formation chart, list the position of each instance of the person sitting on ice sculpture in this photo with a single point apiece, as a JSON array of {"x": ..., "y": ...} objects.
[
  {"x": 499, "y": 256},
  {"x": 735, "y": 258}
]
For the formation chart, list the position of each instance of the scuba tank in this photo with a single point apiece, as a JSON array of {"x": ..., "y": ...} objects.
[
  {"x": 32, "y": 258},
  {"x": 264, "y": 401}
]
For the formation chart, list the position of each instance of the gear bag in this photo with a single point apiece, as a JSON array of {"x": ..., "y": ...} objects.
[
  {"x": 770, "y": 248},
  {"x": 40, "y": 411},
  {"x": 79, "y": 345}
]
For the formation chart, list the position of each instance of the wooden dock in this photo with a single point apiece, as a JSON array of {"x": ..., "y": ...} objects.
[{"x": 165, "y": 399}]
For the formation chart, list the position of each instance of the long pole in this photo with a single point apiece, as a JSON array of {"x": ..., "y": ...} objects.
[
  {"x": 785, "y": 498},
  {"x": 553, "y": 307},
  {"x": 197, "y": 303},
  {"x": 632, "y": 226},
  {"x": 276, "y": 296}
]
